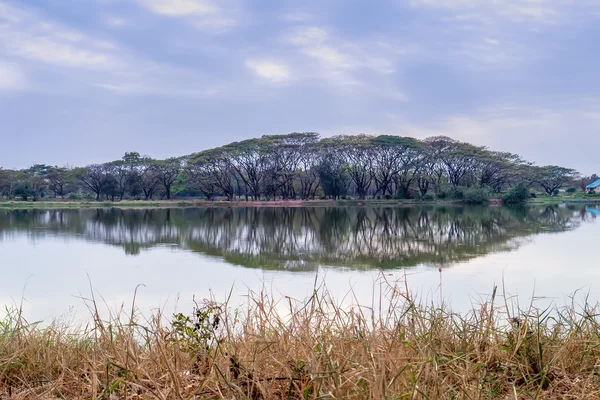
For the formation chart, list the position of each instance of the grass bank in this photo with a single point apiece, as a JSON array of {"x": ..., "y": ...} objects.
[
  {"x": 205, "y": 203},
  {"x": 314, "y": 350}
]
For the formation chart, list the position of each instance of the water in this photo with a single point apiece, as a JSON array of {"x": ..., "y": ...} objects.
[{"x": 51, "y": 259}]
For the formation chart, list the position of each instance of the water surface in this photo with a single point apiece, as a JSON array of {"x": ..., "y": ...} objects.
[{"x": 49, "y": 258}]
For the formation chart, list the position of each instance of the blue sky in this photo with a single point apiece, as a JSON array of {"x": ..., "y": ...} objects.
[{"x": 83, "y": 81}]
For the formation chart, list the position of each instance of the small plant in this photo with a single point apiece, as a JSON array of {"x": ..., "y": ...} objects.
[
  {"x": 457, "y": 194},
  {"x": 388, "y": 197},
  {"x": 555, "y": 192},
  {"x": 378, "y": 197},
  {"x": 476, "y": 196},
  {"x": 571, "y": 190},
  {"x": 518, "y": 194},
  {"x": 428, "y": 197}
]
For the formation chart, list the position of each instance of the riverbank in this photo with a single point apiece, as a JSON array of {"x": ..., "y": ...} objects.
[
  {"x": 315, "y": 349},
  {"x": 126, "y": 204},
  {"x": 216, "y": 203}
]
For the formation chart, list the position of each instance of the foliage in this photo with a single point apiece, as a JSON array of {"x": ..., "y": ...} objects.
[
  {"x": 552, "y": 177},
  {"x": 571, "y": 190},
  {"x": 298, "y": 165},
  {"x": 495, "y": 350},
  {"x": 518, "y": 194},
  {"x": 333, "y": 177},
  {"x": 476, "y": 196}
]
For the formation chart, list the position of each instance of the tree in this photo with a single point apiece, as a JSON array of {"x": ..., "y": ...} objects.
[
  {"x": 58, "y": 179},
  {"x": 22, "y": 185},
  {"x": 8, "y": 181},
  {"x": 211, "y": 172},
  {"x": 308, "y": 175},
  {"x": 122, "y": 175},
  {"x": 94, "y": 178},
  {"x": 286, "y": 155},
  {"x": 250, "y": 159},
  {"x": 167, "y": 172},
  {"x": 333, "y": 176},
  {"x": 356, "y": 153},
  {"x": 459, "y": 158},
  {"x": 148, "y": 177},
  {"x": 553, "y": 177},
  {"x": 496, "y": 169}
]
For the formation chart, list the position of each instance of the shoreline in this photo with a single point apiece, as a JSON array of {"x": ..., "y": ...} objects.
[
  {"x": 189, "y": 203},
  {"x": 216, "y": 203}
]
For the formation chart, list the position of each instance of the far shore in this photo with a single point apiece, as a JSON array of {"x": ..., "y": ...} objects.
[{"x": 58, "y": 203}]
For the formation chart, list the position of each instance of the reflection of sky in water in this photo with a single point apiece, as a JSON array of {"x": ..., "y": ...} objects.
[{"x": 52, "y": 270}]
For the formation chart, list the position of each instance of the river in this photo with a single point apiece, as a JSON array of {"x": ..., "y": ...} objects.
[{"x": 51, "y": 260}]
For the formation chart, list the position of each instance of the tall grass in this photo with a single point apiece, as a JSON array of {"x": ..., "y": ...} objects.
[{"x": 397, "y": 348}]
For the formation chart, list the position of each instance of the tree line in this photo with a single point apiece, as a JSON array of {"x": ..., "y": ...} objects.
[{"x": 296, "y": 166}]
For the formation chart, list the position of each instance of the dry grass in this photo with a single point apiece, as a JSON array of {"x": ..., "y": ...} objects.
[{"x": 314, "y": 350}]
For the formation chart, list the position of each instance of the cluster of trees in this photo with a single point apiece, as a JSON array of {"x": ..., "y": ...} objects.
[
  {"x": 133, "y": 176},
  {"x": 295, "y": 166}
]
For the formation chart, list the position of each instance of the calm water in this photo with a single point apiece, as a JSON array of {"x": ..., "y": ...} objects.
[{"x": 51, "y": 259}]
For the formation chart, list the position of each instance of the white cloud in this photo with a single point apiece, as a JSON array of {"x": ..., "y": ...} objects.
[
  {"x": 181, "y": 8},
  {"x": 38, "y": 42},
  {"x": 270, "y": 70},
  {"x": 308, "y": 36},
  {"x": 297, "y": 16},
  {"x": 117, "y": 22},
  {"x": 27, "y": 36},
  {"x": 11, "y": 78},
  {"x": 344, "y": 63},
  {"x": 208, "y": 15},
  {"x": 543, "y": 11}
]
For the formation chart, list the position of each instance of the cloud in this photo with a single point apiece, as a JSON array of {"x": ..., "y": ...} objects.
[
  {"x": 180, "y": 8},
  {"x": 207, "y": 15},
  {"x": 543, "y": 11},
  {"x": 11, "y": 78},
  {"x": 346, "y": 64},
  {"x": 117, "y": 22},
  {"x": 297, "y": 16},
  {"x": 270, "y": 70},
  {"x": 52, "y": 48},
  {"x": 27, "y": 36}
]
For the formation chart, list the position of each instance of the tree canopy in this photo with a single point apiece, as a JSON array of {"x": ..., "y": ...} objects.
[{"x": 296, "y": 166}]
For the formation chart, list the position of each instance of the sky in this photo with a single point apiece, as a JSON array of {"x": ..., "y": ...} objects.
[{"x": 84, "y": 81}]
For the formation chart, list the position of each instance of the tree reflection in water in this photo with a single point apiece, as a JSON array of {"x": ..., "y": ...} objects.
[{"x": 303, "y": 238}]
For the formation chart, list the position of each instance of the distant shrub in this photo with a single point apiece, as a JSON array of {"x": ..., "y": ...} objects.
[
  {"x": 571, "y": 190},
  {"x": 343, "y": 197},
  {"x": 428, "y": 197},
  {"x": 476, "y": 196},
  {"x": 518, "y": 194},
  {"x": 387, "y": 196},
  {"x": 401, "y": 193},
  {"x": 442, "y": 195},
  {"x": 533, "y": 195},
  {"x": 555, "y": 192},
  {"x": 378, "y": 197},
  {"x": 457, "y": 194}
]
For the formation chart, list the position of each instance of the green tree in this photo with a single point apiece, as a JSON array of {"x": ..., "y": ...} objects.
[
  {"x": 553, "y": 177},
  {"x": 333, "y": 176}
]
